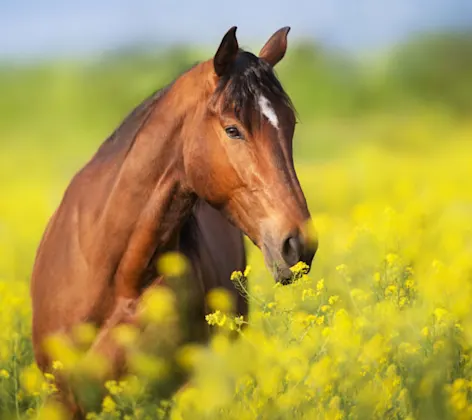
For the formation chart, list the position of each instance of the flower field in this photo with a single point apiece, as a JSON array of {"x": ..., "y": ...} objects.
[{"x": 381, "y": 328}]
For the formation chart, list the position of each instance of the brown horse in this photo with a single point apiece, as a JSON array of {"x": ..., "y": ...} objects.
[{"x": 193, "y": 166}]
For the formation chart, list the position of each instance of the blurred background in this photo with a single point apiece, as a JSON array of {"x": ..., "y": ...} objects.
[
  {"x": 388, "y": 75},
  {"x": 383, "y": 150}
]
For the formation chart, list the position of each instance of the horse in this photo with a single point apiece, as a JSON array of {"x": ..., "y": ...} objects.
[{"x": 194, "y": 168}]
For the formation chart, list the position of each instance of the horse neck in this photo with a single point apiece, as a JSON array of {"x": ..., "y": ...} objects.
[
  {"x": 161, "y": 141},
  {"x": 151, "y": 181}
]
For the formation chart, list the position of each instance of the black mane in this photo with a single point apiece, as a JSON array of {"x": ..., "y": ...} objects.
[
  {"x": 125, "y": 134},
  {"x": 248, "y": 78}
]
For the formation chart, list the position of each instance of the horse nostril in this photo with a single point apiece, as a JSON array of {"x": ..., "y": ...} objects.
[{"x": 291, "y": 249}]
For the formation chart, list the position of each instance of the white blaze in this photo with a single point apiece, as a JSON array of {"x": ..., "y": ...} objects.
[{"x": 268, "y": 111}]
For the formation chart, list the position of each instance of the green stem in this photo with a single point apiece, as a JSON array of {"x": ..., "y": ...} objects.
[{"x": 15, "y": 376}]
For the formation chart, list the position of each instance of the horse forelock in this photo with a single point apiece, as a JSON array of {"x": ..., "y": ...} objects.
[{"x": 249, "y": 88}]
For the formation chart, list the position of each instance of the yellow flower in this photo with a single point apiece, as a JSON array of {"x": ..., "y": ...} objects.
[
  {"x": 391, "y": 258},
  {"x": 216, "y": 318},
  {"x": 108, "y": 404},
  {"x": 236, "y": 275},
  {"x": 94, "y": 365},
  {"x": 4, "y": 374},
  {"x": 299, "y": 268},
  {"x": 85, "y": 333},
  {"x": 402, "y": 302},
  {"x": 172, "y": 264},
  {"x": 326, "y": 331},
  {"x": 309, "y": 319},
  {"x": 148, "y": 365},
  {"x": 440, "y": 314},
  {"x": 308, "y": 293},
  {"x": 131, "y": 386},
  {"x": 409, "y": 284},
  {"x": 390, "y": 290},
  {"x": 57, "y": 365},
  {"x": 220, "y": 299},
  {"x": 113, "y": 387},
  {"x": 52, "y": 411},
  {"x": 238, "y": 321},
  {"x": 187, "y": 356},
  {"x": 61, "y": 349},
  {"x": 48, "y": 388},
  {"x": 220, "y": 344},
  {"x": 158, "y": 305},
  {"x": 32, "y": 379},
  {"x": 333, "y": 299},
  {"x": 459, "y": 383},
  {"x": 125, "y": 334}
]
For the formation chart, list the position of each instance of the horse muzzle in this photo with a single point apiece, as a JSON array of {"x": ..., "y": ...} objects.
[{"x": 281, "y": 255}]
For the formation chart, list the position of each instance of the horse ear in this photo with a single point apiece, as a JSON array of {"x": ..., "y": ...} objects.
[
  {"x": 226, "y": 53},
  {"x": 274, "y": 49}
]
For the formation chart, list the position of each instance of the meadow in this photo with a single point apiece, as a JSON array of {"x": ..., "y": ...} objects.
[{"x": 380, "y": 328}]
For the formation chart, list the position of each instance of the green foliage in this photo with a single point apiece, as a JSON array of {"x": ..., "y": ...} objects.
[
  {"x": 435, "y": 69},
  {"x": 93, "y": 97}
]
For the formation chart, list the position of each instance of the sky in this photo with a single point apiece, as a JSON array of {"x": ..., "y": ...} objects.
[{"x": 31, "y": 29}]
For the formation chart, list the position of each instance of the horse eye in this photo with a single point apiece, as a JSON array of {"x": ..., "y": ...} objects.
[{"x": 233, "y": 132}]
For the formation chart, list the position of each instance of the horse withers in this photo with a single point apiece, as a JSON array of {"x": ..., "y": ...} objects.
[{"x": 193, "y": 168}]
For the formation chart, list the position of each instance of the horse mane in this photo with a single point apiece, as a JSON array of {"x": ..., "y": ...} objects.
[
  {"x": 239, "y": 89},
  {"x": 124, "y": 135}
]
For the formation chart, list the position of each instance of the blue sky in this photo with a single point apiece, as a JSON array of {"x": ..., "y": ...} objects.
[{"x": 32, "y": 28}]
